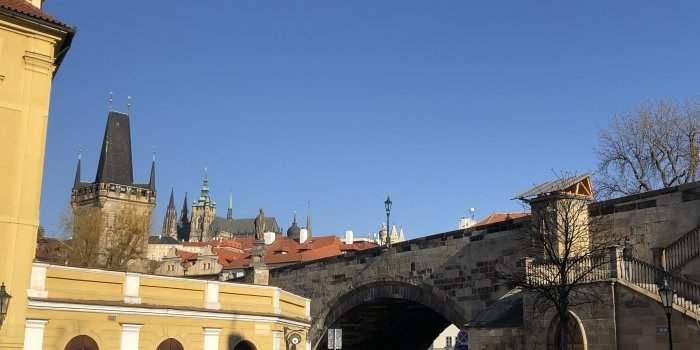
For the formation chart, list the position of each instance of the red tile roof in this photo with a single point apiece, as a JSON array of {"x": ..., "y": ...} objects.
[
  {"x": 500, "y": 217},
  {"x": 27, "y": 9}
]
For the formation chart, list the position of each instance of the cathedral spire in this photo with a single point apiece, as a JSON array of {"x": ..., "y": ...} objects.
[
  {"x": 229, "y": 212},
  {"x": 76, "y": 181},
  {"x": 308, "y": 220},
  {"x": 171, "y": 203},
  {"x": 170, "y": 220}
]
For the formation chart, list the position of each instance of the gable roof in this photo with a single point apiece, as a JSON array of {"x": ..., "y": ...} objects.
[
  {"x": 500, "y": 217},
  {"x": 550, "y": 187}
]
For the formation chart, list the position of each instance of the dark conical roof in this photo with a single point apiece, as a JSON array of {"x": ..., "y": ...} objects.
[
  {"x": 115, "y": 158},
  {"x": 152, "y": 179},
  {"x": 294, "y": 231},
  {"x": 76, "y": 182}
]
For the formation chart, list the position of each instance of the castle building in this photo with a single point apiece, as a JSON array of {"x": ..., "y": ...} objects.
[
  {"x": 114, "y": 192},
  {"x": 203, "y": 225}
]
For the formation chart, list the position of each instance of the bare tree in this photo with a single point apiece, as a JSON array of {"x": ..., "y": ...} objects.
[
  {"x": 565, "y": 249},
  {"x": 117, "y": 246},
  {"x": 656, "y": 146}
]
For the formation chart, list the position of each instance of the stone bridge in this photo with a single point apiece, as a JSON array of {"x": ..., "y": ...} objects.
[{"x": 404, "y": 296}]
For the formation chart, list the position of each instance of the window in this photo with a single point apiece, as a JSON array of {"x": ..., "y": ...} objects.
[{"x": 448, "y": 342}]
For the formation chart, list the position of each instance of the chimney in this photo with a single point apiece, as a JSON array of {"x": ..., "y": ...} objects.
[
  {"x": 348, "y": 237},
  {"x": 303, "y": 235},
  {"x": 36, "y": 3}
]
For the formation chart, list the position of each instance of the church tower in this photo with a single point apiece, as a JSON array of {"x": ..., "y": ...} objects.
[
  {"x": 203, "y": 214},
  {"x": 170, "y": 219},
  {"x": 114, "y": 193}
]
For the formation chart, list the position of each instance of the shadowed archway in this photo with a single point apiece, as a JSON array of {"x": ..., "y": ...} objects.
[
  {"x": 170, "y": 344},
  {"x": 245, "y": 345},
  {"x": 390, "y": 315},
  {"x": 82, "y": 342}
]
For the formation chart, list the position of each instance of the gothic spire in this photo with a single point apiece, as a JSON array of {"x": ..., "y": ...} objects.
[
  {"x": 184, "y": 212},
  {"x": 152, "y": 180},
  {"x": 76, "y": 182},
  {"x": 229, "y": 212},
  {"x": 115, "y": 158},
  {"x": 171, "y": 203},
  {"x": 308, "y": 221}
]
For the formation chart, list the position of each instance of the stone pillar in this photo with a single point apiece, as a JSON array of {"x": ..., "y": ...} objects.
[
  {"x": 37, "y": 284},
  {"x": 212, "y": 296},
  {"x": 276, "y": 340},
  {"x": 211, "y": 338},
  {"x": 132, "y": 283},
  {"x": 34, "y": 334},
  {"x": 130, "y": 336}
]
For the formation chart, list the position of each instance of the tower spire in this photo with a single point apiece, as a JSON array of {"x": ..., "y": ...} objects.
[
  {"x": 152, "y": 179},
  {"x": 229, "y": 212},
  {"x": 76, "y": 181},
  {"x": 308, "y": 220},
  {"x": 115, "y": 157},
  {"x": 171, "y": 203}
]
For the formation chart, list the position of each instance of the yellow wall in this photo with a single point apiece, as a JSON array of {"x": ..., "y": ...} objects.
[
  {"x": 26, "y": 69},
  {"x": 96, "y": 303}
]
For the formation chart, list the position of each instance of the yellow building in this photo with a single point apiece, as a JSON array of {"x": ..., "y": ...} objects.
[
  {"x": 58, "y": 307},
  {"x": 32, "y": 45}
]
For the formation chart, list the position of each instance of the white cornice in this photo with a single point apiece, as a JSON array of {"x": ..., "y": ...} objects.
[{"x": 161, "y": 312}]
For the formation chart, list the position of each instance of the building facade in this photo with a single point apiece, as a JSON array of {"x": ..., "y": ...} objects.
[{"x": 32, "y": 47}]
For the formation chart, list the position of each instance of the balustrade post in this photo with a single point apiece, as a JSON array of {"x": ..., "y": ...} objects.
[
  {"x": 527, "y": 263},
  {"x": 616, "y": 262}
]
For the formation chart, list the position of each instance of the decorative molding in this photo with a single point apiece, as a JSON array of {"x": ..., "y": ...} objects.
[
  {"x": 307, "y": 308},
  {"x": 163, "y": 312},
  {"x": 37, "y": 62}
]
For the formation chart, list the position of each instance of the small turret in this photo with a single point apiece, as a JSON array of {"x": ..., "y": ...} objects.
[{"x": 76, "y": 182}]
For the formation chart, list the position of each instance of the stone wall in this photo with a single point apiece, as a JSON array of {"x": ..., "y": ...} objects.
[{"x": 509, "y": 338}]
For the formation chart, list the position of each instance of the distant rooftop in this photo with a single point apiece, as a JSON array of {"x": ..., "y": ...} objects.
[{"x": 577, "y": 185}]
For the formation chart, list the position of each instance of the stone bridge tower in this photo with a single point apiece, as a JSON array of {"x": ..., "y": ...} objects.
[{"x": 114, "y": 192}]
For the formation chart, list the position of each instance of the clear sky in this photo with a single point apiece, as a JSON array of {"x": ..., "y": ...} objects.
[{"x": 444, "y": 105}]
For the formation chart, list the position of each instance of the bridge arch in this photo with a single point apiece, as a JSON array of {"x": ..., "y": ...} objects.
[{"x": 388, "y": 314}]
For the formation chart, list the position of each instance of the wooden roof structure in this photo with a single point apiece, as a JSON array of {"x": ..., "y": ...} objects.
[{"x": 577, "y": 186}]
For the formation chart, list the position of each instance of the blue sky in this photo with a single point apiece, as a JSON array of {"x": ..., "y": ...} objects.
[{"x": 444, "y": 105}]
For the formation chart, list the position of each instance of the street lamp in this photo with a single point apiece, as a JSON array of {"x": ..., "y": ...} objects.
[
  {"x": 4, "y": 302},
  {"x": 667, "y": 294},
  {"x": 387, "y": 206}
]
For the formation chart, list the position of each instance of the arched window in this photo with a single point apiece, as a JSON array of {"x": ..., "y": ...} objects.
[
  {"x": 245, "y": 345},
  {"x": 575, "y": 336},
  {"x": 82, "y": 342},
  {"x": 170, "y": 344}
]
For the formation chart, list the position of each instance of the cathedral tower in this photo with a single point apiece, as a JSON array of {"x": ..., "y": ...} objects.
[
  {"x": 114, "y": 195},
  {"x": 170, "y": 219},
  {"x": 203, "y": 214}
]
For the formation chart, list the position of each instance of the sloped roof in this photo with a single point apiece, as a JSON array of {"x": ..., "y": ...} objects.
[
  {"x": 500, "y": 217},
  {"x": 162, "y": 240},
  {"x": 552, "y": 186},
  {"x": 242, "y": 227},
  {"x": 115, "y": 158},
  {"x": 25, "y": 8}
]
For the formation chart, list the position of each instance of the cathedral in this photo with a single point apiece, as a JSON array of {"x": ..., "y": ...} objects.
[
  {"x": 114, "y": 192},
  {"x": 203, "y": 225}
]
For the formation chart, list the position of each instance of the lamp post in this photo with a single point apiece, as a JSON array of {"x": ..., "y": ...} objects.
[
  {"x": 387, "y": 206},
  {"x": 4, "y": 303},
  {"x": 667, "y": 294}
]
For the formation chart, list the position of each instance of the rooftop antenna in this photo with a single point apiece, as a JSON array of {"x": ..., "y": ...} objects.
[
  {"x": 128, "y": 105},
  {"x": 110, "y": 100},
  {"x": 154, "y": 153}
]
